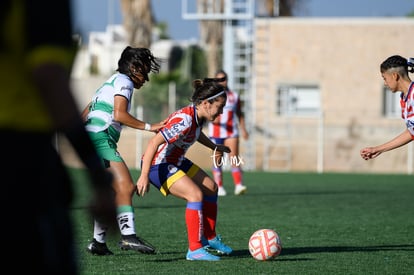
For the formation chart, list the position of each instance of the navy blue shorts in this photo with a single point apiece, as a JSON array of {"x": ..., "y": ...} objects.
[
  {"x": 218, "y": 141},
  {"x": 164, "y": 175}
]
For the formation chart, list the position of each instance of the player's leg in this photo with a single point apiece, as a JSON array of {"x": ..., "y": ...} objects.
[
  {"x": 124, "y": 190},
  {"x": 217, "y": 167},
  {"x": 184, "y": 187},
  {"x": 209, "y": 188},
  {"x": 236, "y": 170},
  {"x": 107, "y": 151}
]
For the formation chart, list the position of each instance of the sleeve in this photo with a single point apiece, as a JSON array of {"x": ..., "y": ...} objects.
[
  {"x": 409, "y": 121},
  {"x": 176, "y": 127},
  {"x": 123, "y": 87}
]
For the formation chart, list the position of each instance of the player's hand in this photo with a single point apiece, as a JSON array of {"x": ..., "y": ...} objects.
[
  {"x": 142, "y": 186},
  {"x": 369, "y": 153},
  {"x": 223, "y": 148},
  {"x": 157, "y": 126}
]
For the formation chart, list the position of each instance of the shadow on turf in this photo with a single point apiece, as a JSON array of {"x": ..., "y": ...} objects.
[
  {"x": 244, "y": 253},
  {"x": 330, "y": 249},
  {"x": 174, "y": 256}
]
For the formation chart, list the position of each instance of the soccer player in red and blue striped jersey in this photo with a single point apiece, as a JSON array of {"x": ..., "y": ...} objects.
[
  {"x": 394, "y": 71},
  {"x": 164, "y": 165},
  {"x": 225, "y": 130}
]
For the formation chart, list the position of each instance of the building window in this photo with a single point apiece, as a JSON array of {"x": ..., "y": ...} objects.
[
  {"x": 391, "y": 104},
  {"x": 298, "y": 100}
]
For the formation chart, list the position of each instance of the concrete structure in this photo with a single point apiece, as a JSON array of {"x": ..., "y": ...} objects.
[
  {"x": 334, "y": 61},
  {"x": 317, "y": 96}
]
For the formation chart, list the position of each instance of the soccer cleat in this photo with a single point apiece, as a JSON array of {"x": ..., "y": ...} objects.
[
  {"x": 201, "y": 254},
  {"x": 217, "y": 245},
  {"x": 240, "y": 189},
  {"x": 97, "y": 248},
  {"x": 221, "y": 191},
  {"x": 137, "y": 244},
  {"x": 204, "y": 242}
]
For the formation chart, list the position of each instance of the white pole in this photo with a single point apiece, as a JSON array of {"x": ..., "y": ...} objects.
[
  {"x": 171, "y": 97},
  {"x": 228, "y": 44},
  {"x": 110, "y": 6},
  {"x": 320, "y": 142},
  {"x": 410, "y": 158},
  {"x": 139, "y": 142}
]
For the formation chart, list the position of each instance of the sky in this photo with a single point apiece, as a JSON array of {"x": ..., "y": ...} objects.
[{"x": 95, "y": 15}]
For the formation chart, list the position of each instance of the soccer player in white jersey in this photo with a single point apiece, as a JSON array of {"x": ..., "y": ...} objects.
[
  {"x": 105, "y": 116},
  {"x": 225, "y": 130},
  {"x": 394, "y": 71},
  {"x": 165, "y": 166}
]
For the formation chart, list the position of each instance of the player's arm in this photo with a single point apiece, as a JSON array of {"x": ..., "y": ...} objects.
[
  {"x": 400, "y": 140},
  {"x": 122, "y": 115},
  {"x": 243, "y": 129},
  {"x": 203, "y": 139},
  {"x": 85, "y": 112},
  {"x": 242, "y": 121},
  {"x": 142, "y": 186}
]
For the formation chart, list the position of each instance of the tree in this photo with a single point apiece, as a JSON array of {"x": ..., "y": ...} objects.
[
  {"x": 212, "y": 30},
  {"x": 184, "y": 66},
  {"x": 285, "y": 8},
  {"x": 211, "y": 33},
  {"x": 138, "y": 22}
]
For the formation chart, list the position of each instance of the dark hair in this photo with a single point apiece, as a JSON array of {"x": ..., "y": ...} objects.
[
  {"x": 226, "y": 77},
  {"x": 410, "y": 63},
  {"x": 397, "y": 61},
  {"x": 207, "y": 88},
  {"x": 221, "y": 71},
  {"x": 138, "y": 58}
]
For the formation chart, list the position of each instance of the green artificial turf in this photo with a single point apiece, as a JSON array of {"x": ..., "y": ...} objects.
[{"x": 328, "y": 224}]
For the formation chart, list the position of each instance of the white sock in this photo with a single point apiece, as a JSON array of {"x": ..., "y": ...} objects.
[
  {"x": 99, "y": 232},
  {"x": 126, "y": 223}
]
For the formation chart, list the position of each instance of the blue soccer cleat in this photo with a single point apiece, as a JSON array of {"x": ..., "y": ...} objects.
[
  {"x": 219, "y": 246},
  {"x": 201, "y": 254},
  {"x": 204, "y": 242}
]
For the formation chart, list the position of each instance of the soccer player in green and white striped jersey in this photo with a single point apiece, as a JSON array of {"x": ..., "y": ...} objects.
[{"x": 105, "y": 116}]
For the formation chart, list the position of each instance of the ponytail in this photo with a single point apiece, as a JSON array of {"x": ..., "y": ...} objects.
[{"x": 410, "y": 64}]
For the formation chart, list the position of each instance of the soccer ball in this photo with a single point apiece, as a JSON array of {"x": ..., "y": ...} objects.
[{"x": 265, "y": 244}]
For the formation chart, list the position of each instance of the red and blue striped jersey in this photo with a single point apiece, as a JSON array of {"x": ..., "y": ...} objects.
[
  {"x": 228, "y": 125},
  {"x": 180, "y": 132},
  {"x": 407, "y": 109}
]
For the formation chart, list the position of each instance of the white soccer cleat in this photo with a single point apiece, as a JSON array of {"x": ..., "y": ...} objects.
[
  {"x": 221, "y": 191},
  {"x": 240, "y": 189}
]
